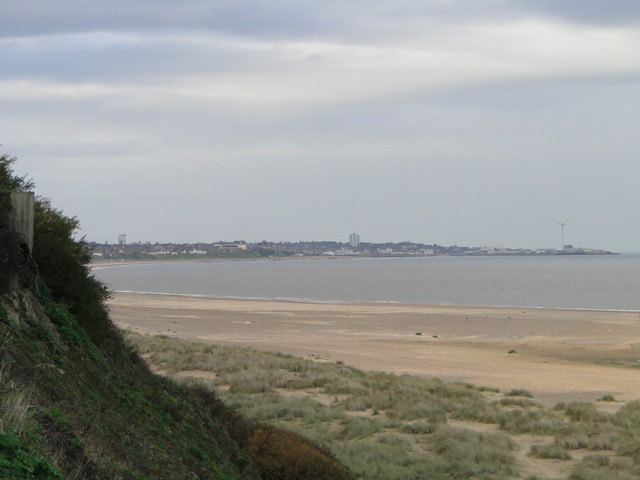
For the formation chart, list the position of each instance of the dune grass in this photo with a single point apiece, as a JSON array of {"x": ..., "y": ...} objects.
[{"x": 385, "y": 426}]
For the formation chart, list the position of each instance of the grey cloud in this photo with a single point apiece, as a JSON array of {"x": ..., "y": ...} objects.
[
  {"x": 251, "y": 17},
  {"x": 302, "y": 120},
  {"x": 290, "y": 18},
  {"x": 593, "y": 12},
  {"x": 106, "y": 58}
]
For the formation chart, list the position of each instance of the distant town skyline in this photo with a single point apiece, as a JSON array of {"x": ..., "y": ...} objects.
[
  {"x": 352, "y": 242},
  {"x": 239, "y": 250}
]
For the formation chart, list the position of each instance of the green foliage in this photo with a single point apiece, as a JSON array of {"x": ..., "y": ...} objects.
[
  {"x": 584, "y": 412},
  {"x": 279, "y": 454},
  {"x": 76, "y": 394},
  {"x": 69, "y": 329},
  {"x": 10, "y": 182},
  {"x": 602, "y": 467},
  {"x": 471, "y": 454},
  {"x": 63, "y": 263},
  {"x": 554, "y": 452},
  {"x": 519, "y": 392},
  {"x": 518, "y": 402},
  {"x": 18, "y": 463}
]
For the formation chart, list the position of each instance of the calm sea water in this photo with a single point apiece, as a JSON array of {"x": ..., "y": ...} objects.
[{"x": 589, "y": 282}]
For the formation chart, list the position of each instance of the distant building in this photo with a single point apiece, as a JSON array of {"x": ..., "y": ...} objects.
[
  {"x": 122, "y": 240},
  {"x": 354, "y": 240}
]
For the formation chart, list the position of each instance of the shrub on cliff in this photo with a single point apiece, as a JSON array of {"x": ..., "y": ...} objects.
[
  {"x": 63, "y": 265},
  {"x": 92, "y": 409},
  {"x": 62, "y": 260}
]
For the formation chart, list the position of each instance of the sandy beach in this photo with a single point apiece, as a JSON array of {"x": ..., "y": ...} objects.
[{"x": 558, "y": 355}]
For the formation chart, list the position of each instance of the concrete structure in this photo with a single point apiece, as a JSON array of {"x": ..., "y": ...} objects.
[
  {"x": 23, "y": 209},
  {"x": 354, "y": 240}
]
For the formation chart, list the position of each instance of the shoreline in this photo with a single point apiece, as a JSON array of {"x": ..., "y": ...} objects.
[
  {"x": 562, "y": 354},
  {"x": 380, "y": 302},
  {"x": 113, "y": 263}
]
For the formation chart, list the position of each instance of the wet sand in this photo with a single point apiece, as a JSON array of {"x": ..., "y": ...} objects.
[{"x": 558, "y": 355}]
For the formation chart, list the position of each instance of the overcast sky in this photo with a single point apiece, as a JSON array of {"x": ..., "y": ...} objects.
[{"x": 434, "y": 121}]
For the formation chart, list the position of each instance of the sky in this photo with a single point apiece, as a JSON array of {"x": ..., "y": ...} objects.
[{"x": 432, "y": 121}]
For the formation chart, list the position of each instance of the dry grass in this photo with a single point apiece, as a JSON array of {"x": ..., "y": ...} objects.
[{"x": 396, "y": 426}]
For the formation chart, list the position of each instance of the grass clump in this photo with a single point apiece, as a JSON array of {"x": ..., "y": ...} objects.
[
  {"x": 603, "y": 467},
  {"x": 519, "y": 392},
  {"x": 608, "y": 398},
  {"x": 553, "y": 452},
  {"x": 584, "y": 412},
  {"x": 471, "y": 454},
  {"x": 519, "y": 402},
  {"x": 417, "y": 428},
  {"x": 484, "y": 388}
]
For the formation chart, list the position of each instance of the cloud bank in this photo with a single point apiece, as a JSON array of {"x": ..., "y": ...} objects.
[{"x": 430, "y": 121}]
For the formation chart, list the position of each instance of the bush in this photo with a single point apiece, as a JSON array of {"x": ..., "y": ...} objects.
[
  {"x": 602, "y": 467},
  {"x": 470, "y": 454},
  {"x": 282, "y": 455},
  {"x": 16, "y": 462},
  {"x": 554, "y": 452},
  {"x": 584, "y": 412},
  {"x": 418, "y": 428},
  {"x": 519, "y": 392}
]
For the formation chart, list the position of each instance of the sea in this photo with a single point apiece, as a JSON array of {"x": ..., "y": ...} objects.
[{"x": 593, "y": 282}]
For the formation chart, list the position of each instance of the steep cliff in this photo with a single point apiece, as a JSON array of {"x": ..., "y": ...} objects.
[
  {"x": 91, "y": 414},
  {"x": 75, "y": 400}
]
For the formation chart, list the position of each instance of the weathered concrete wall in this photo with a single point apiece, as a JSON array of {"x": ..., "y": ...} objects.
[{"x": 23, "y": 212}]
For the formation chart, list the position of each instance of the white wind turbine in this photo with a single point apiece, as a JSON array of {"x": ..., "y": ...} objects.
[{"x": 562, "y": 228}]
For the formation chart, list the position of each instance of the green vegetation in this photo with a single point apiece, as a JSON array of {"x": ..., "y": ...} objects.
[
  {"x": 519, "y": 392},
  {"x": 77, "y": 402},
  {"x": 394, "y": 427},
  {"x": 16, "y": 462}
]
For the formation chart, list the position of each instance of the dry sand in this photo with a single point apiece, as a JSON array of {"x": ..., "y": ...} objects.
[{"x": 562, "y": 355}]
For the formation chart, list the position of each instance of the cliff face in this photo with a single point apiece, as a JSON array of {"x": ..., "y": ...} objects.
[
  {"x": 71, "y": 407},
  {"x": 77, "y": 402}
]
